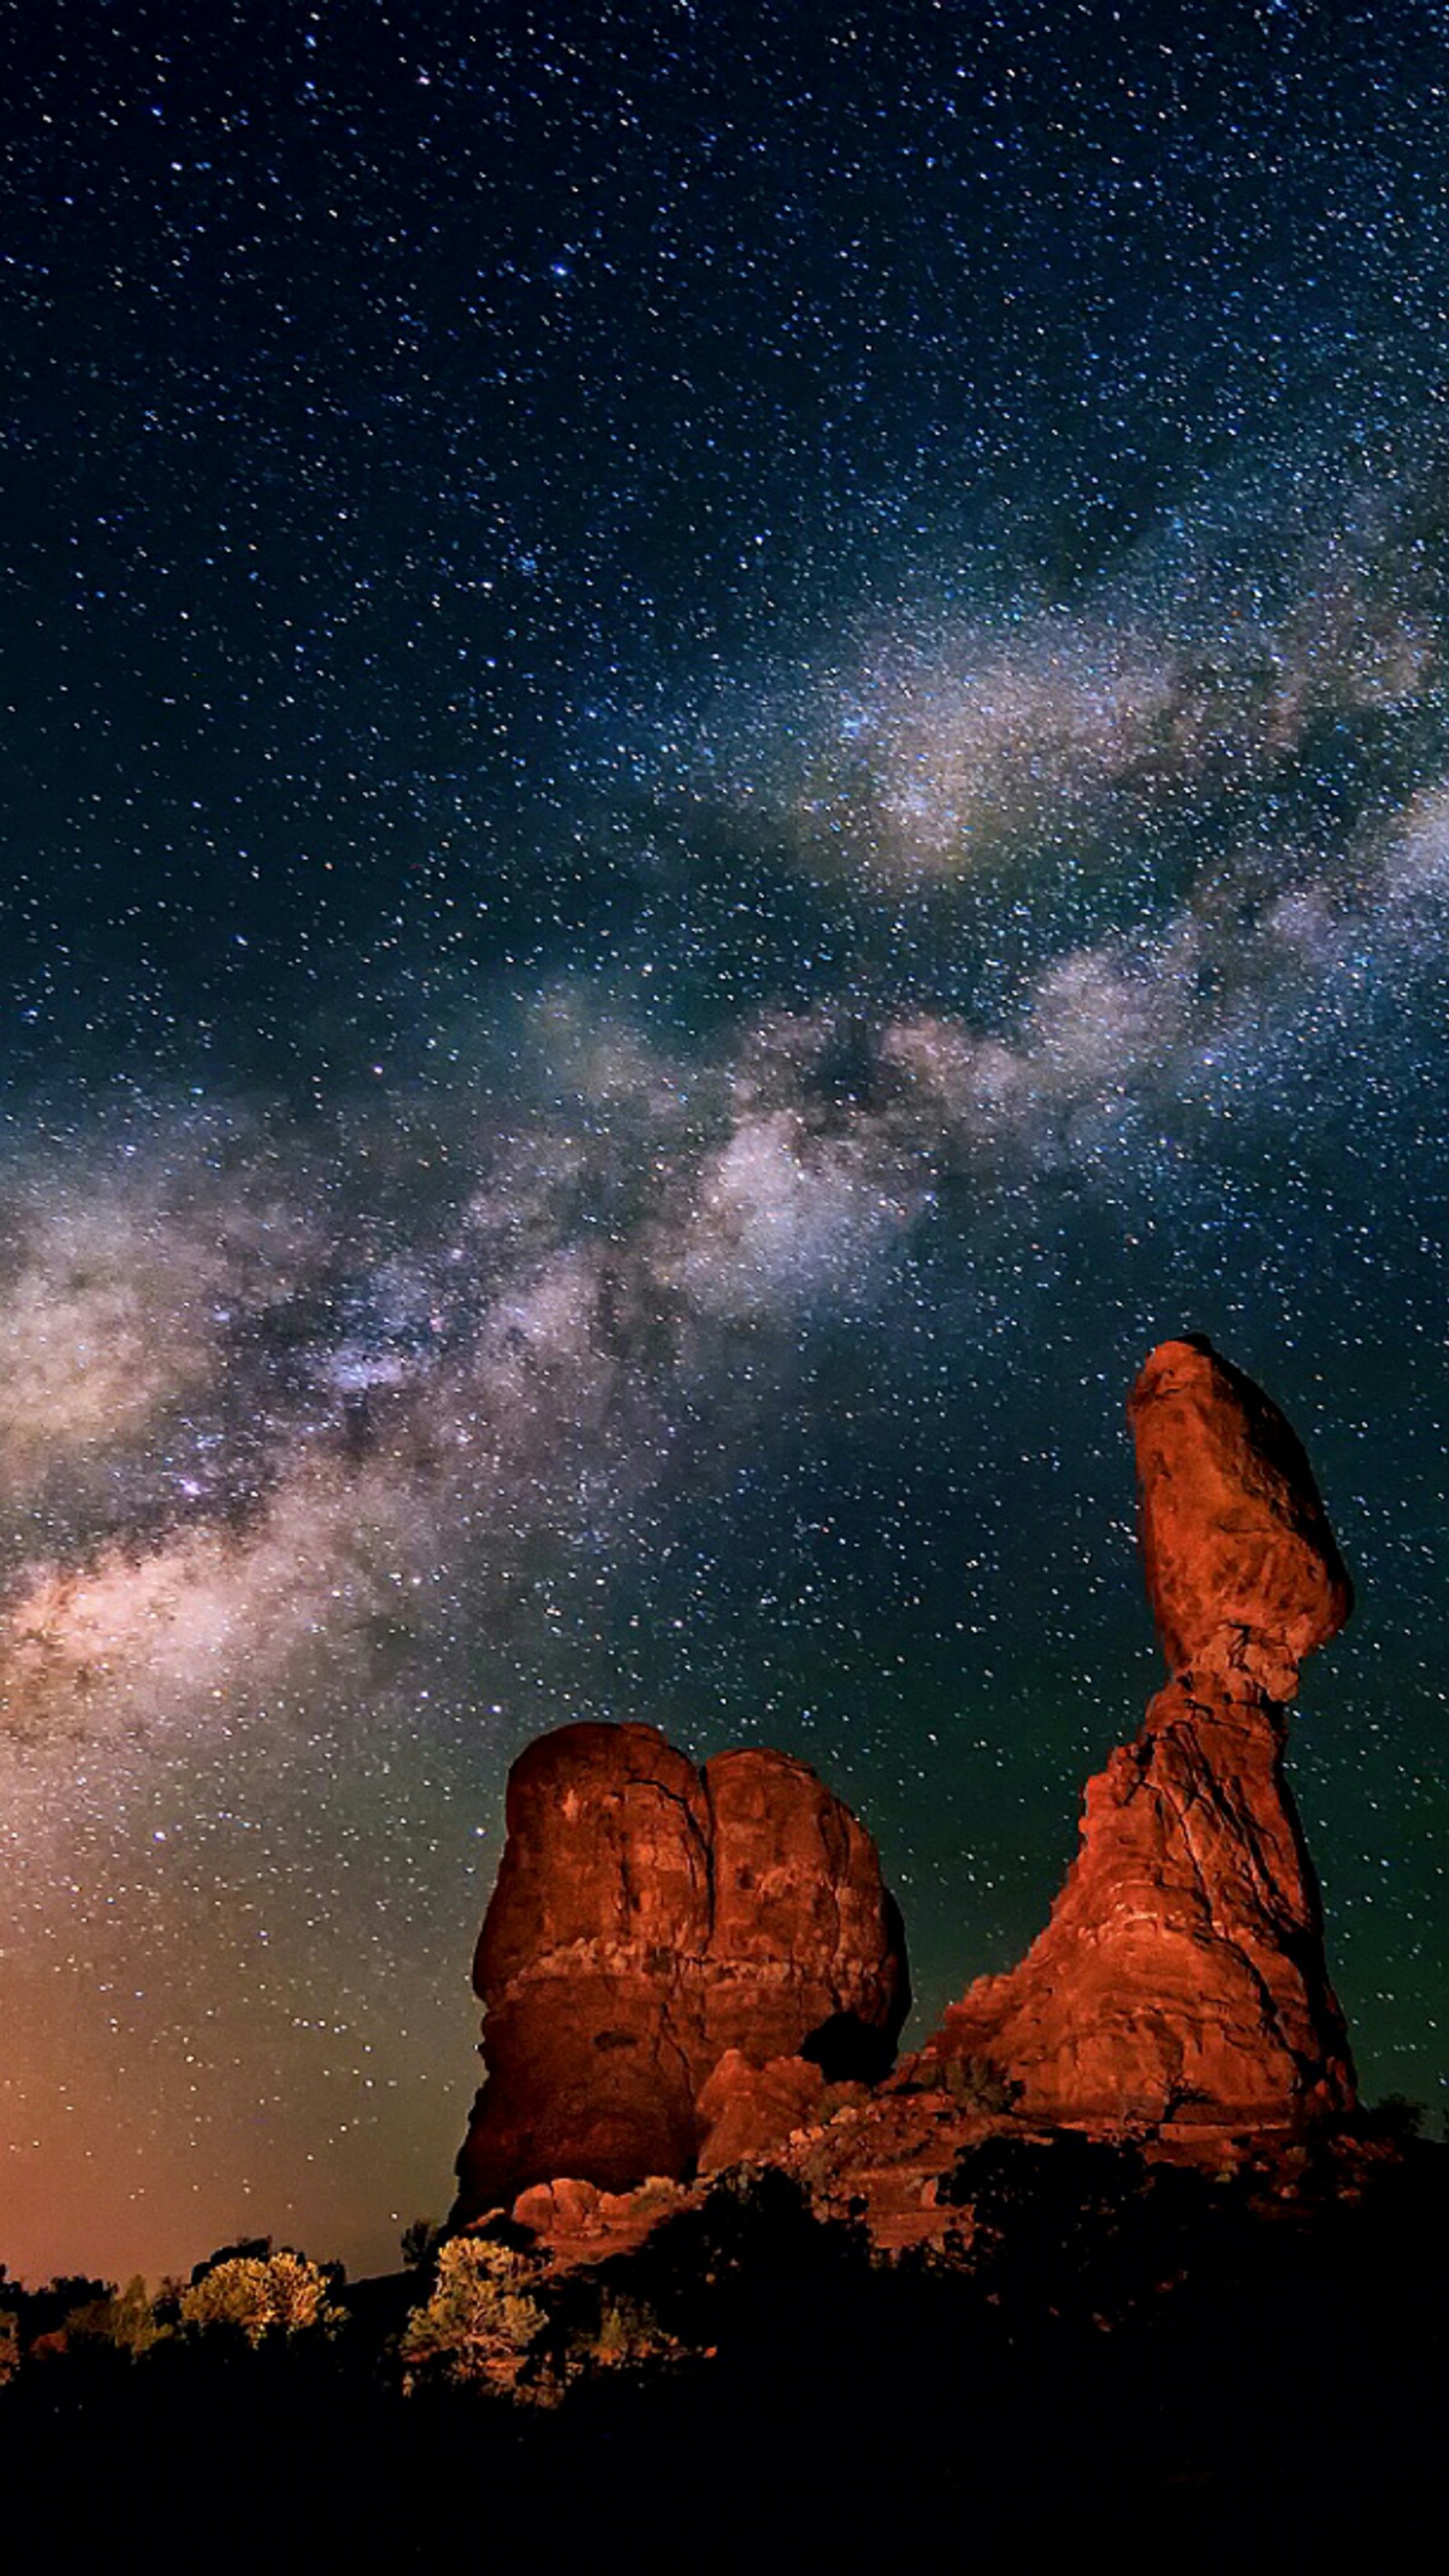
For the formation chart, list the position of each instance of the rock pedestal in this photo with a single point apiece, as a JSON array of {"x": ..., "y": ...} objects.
[{"x": 1181, "y": 1977}]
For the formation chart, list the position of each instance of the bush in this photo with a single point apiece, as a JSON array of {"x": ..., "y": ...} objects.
[
  {"x": 481, "y": 2320},
  {"x": 628, "y": 2336},
  {"x": 979, "y": 2085},
  {"x": 420, "y": 2242},
  {"x": 260, "y": 2293},
  {"x": 127, "y": 2320}
]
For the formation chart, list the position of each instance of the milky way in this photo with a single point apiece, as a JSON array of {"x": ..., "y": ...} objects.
[{"x": 729, "y": 760}]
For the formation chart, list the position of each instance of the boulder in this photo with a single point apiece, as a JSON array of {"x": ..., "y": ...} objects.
[
  {"x": 1232, "y": 1530},
  {"x": 745, "y": 2110},
  {"x": 647, "y": 1920}
]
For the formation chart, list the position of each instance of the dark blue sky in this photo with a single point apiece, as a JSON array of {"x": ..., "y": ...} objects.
[{"x": 728, "y": 761}]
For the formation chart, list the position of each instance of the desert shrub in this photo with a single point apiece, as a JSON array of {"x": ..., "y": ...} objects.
[
  {"x": 127, "y": 2320},
  {"x": 626, "y": 2335},
  {"x": 1395, "y": 2121},
  {"x": 419, "y": 2243},
  {"x": 749, "y": 2267},
  {"x": 257, "y": 2247},
  {"x": 481, "y": 2319},
  {"x": 260, "y": 2293},
  {"x": 659, "y": 2193},
  {"x": 979, "y": 2085},
  {"x": 1073, "y": 2227}
]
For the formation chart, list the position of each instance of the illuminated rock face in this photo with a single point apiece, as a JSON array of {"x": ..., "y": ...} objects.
[
  {"x": 649, "y": 1921},
  {"x": 1233, "y": 1533},
  {"x": 677, "y": 1964},
  {"x": 1181, "y": 1976}
]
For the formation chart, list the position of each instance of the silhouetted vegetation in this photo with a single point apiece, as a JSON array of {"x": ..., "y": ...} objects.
[
  {"x": 1247, "y": 2363},
  {"x": 419, "y": 2243}
]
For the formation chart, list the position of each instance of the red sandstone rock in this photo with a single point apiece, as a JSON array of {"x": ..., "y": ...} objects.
[
  {"x": 602, "y": 1897},
  {"x": 1233, "y": 1532},
  {"x": 748, "y": 2109},
  {"x": 1181, "y": 1976},
  {"x": 661, "y": 1948},
  {"x": 575, "y": 2223},
  {"x": 804, "y": 1940},
  {"x": 608, "y": 1846},
  {"x": 646, "y": 1921}
]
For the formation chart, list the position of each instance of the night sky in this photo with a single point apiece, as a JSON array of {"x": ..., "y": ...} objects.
[{"x": 727, "y": 761}]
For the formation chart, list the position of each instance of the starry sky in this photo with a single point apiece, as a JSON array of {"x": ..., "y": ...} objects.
[{"x": 727, "y": 761}]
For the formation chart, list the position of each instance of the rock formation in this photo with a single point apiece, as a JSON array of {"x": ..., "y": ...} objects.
[
  {"x": 683, "y": 1968},
  {"x": 1181, "y": 1976},
  {"x": 670, "y": 1954},
  {"x": 1232, "y": 1530}
]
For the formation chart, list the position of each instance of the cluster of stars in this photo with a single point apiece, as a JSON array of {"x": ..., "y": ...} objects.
[{"x": 730, "y": 761}]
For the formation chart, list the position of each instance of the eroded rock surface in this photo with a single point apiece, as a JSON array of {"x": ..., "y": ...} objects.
[
  {"x": 1233, "y": 1534},
  {"x": 1181, "y": 1977},
  {"x": 648, "y": 1920},
  {"x": 806, "y": 1953},
  {"x": 683, "y": 1969}
]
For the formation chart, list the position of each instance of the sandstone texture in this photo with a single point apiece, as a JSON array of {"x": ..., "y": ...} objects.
[
  {"x": 1233, "y": 1534},
  {"x": 684, "y": 1970},
  {"x": 651, "y": 1921},
  {"x": 746, "y": 2109},
  {"x": 1181, "y": 1977}
]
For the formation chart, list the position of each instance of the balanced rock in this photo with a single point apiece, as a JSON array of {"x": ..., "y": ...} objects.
[
  {"x": 1181, "y": 1976},
  {"x": 1232, "y": 1531},
  {"x": 649, "y": 1919}
]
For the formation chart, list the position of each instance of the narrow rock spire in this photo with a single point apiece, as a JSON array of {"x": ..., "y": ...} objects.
[{"x": 1181, "y": 1977}]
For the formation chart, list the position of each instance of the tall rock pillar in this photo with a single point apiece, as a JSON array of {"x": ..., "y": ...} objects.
[
  {"x": 1181, "y": 1976},
  {"x": 674, "y": 1962}
]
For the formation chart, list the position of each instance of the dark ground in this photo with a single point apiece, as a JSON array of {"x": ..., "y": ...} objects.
[{"x": 1163, "y": 2365}]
